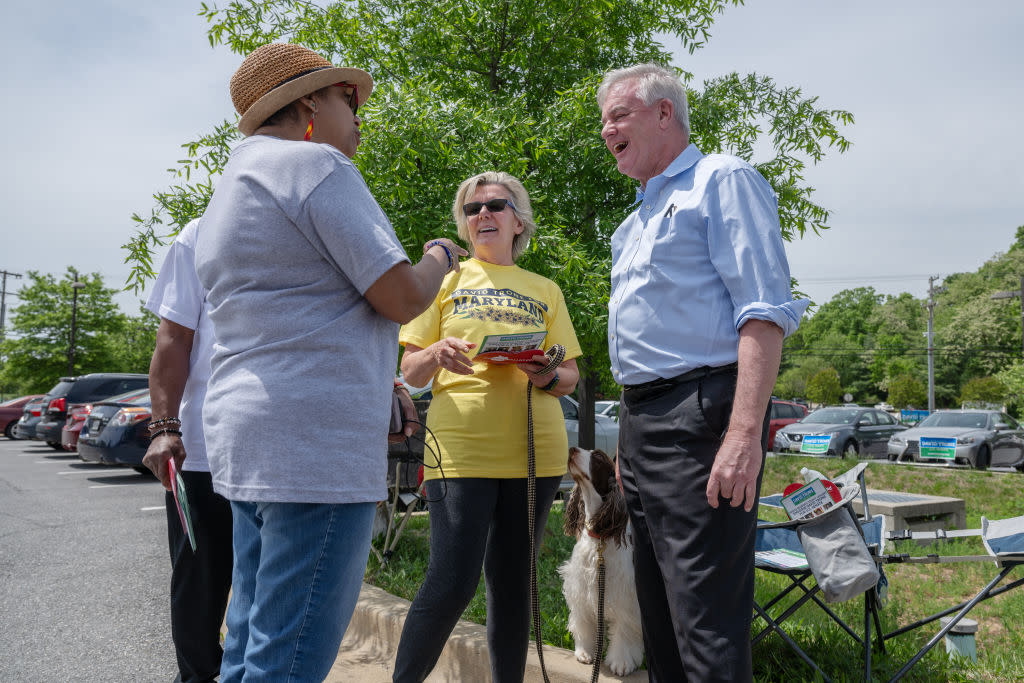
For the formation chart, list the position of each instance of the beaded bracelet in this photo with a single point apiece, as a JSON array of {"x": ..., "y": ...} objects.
[
  {"x": 552, "y": 384},
  {"x": 447, "y": 252},
  {"x": 156, "y": 424},
  {"x": 168, "y": 430}
]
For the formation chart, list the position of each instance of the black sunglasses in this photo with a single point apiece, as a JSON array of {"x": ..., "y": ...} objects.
[
  {"x": 352, "y": 97},
  {"x": 493, "y": 205}
]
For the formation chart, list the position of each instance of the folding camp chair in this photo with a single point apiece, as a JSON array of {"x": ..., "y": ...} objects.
[
  {"x": 779, "y": 550},
  {"x": 1004, "y": 541}
]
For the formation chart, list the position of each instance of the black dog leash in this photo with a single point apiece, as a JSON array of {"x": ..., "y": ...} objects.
[
  {"x": 599, "y": 644},
  {"x": 557, "y": 354}
]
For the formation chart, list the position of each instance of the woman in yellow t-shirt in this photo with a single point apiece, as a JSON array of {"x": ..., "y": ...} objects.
[{"x": 478, "y": 414}]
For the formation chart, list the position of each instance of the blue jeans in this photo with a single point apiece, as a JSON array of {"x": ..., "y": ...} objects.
[{"x": 297, "y": 575}]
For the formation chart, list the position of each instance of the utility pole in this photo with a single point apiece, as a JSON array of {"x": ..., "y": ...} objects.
[
  {"x": 75, "y": 286},
  {"x": 931, "y": 343},
  {"x": 3, "y": 299},
  {"x": 1016, "y": 295}
]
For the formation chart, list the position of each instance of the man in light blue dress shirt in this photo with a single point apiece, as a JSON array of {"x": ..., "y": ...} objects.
[{"x": 699, "y": 307}]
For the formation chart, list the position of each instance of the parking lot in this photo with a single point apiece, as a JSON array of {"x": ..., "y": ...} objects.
[{"x": 84, "y": 570}]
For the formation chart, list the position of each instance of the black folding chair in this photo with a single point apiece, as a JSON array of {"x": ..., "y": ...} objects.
[{"x": 778, "y": 550}]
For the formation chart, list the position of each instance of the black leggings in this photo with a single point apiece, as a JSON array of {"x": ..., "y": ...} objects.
[{"x": 480, "y": 522}]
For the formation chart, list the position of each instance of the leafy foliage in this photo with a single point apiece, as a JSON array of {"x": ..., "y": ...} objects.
[
  {"x": 906, "y": 391},
  {"x": 465, "y": 86},
  {"x": 824, "y": 387},
  {"x": 106, "y": 340},
  {"x": 983, "y": 390}
]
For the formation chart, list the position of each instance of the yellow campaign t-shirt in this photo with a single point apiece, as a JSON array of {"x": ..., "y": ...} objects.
[{"x": 479, "y": 420}]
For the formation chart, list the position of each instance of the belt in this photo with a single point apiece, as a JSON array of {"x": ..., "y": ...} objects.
[{"x": 696, "y": 373}]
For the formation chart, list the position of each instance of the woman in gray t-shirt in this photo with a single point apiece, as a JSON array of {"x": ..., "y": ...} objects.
[{"x": 307, "y": 285}]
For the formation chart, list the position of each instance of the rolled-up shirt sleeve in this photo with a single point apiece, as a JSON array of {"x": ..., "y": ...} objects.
[{"x": 746, "y": 248}]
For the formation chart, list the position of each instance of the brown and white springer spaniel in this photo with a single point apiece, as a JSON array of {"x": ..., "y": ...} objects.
[{"x": 596, "y": 510}]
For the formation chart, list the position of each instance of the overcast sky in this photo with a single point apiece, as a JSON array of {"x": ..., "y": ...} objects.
[{"x": 102, "y": 93}]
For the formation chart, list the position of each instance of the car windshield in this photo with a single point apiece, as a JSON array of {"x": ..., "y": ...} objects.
[
  {"x": 972, "y": 420},
  {"x": 831, "y": 416}
]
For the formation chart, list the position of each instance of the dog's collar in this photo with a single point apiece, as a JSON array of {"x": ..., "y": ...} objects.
[{"x": 590, "y": 531}]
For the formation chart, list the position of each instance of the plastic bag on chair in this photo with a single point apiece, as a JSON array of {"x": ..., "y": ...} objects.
[{"x": 837, "y": 555}]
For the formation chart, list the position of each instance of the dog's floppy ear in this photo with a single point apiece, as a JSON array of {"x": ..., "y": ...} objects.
[
  {"x": 611, "y": 518},
  {"x": 574, "y": 515}
]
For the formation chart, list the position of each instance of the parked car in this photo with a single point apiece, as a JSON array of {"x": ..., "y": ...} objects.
[
  {"x": 82, "y": 389},
  {"x": 983, "y": 438},
  {"x": 79, "y": 413},
  {"x": 606, "y": 430},
  {"x": 116, "y": 431},
  {"x": 31, "y": 414},
  {"x": 11, "y": 411},
  {"x": 852, "y": 431},
  {"x": 607, "y": 409},
  {"x": 784, "y": 413},
  {"x": 73, "y": 425}
]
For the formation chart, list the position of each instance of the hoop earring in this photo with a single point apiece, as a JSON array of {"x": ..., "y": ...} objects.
[{"x": 309, "y": 128}]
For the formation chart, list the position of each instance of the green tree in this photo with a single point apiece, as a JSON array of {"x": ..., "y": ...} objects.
[
  {"x": 132, "y": 348},
  {"x": 983, "y": 390},
  {"x": 469, "y": 85},
  {"x": 1012, "y": 379},
  {"x": 824, "y": 387},
  {"x": 36, "y": 351},
  {"x": 907, "y": 391},
  {"x": 976, "y": 336}
]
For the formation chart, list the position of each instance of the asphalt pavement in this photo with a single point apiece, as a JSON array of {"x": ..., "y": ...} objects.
[{"x": 84, "y": 570}]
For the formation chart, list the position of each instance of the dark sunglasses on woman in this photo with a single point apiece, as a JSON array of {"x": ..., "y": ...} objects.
[
  {"x": 352, "y": 96},
  {"x": 493, "y": 205}
]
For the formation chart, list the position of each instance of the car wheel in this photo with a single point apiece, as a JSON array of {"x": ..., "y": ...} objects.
[
  {"x": 9, "y": 429},
  {"x": 850, "y": 449},
  {"x": 892, "y": 457},
  {"x": 144, "y": 471},
  {"x": 55, "y": 445},
  {"x": 983, "y": 458}
]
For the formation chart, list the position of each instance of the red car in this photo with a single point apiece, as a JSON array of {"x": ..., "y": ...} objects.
[
  {"x": 77, "y": 416},
  {"x": 10, "y": 413},
  {"x": 784, "y": 413}
]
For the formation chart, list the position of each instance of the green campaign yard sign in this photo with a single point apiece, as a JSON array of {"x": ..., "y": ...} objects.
[
  {"x": 815, "y": 444},
  {"x": 934, "y": 447}
]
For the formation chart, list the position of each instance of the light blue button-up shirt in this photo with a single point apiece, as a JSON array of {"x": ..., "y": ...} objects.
[{"x": 700, "y": 255}]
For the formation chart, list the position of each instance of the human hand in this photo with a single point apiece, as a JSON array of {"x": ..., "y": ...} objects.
[
  {"x": 734, "y": 474},
  {"x": 532, "y": 372},
  {"x": 455, "y": 250},
  {"x": 161, "y": 449},
  {"x": 411, "y": 418},
  {"x": 450, "y": 355}
]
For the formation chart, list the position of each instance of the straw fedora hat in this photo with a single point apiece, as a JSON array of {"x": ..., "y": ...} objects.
[{"x": 277, "y": 74}]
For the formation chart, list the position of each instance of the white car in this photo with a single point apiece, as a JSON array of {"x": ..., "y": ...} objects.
[
  {"x": 607, "y": 409},
  {"x": 606, "y": 429}
]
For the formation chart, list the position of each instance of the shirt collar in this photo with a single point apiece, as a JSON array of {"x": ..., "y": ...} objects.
[{"x": 686, "y": 160}]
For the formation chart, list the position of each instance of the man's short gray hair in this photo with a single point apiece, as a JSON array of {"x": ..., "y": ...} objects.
[{"x": 653, "y": 83}]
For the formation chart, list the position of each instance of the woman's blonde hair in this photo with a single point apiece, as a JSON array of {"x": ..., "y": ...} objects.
[{"x": 519, "y": 197}]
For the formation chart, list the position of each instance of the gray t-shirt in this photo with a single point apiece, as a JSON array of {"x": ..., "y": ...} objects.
[{"x": 297, "y": 408}]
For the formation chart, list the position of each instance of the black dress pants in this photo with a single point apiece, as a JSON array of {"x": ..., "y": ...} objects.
[
  {"x": 694, "y": 563},
  {"x": 200, "y": 580}
]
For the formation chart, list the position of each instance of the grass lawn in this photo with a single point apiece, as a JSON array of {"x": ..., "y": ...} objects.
[{"x": 915, "y": 590}]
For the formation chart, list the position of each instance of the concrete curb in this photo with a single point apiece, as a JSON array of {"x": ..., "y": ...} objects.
[{"x": 367, "y": 653}]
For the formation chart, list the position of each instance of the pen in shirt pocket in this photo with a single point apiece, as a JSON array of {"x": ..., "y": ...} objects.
[{"x": 671, "y": 210}]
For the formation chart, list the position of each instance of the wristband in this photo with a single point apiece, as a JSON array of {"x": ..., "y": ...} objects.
[
  {"x": 447, "y": 252},
  {"x": 173, "y": 422},
  {"x": 167, "y": 430},
  {"x": 552, "y": 384}
]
